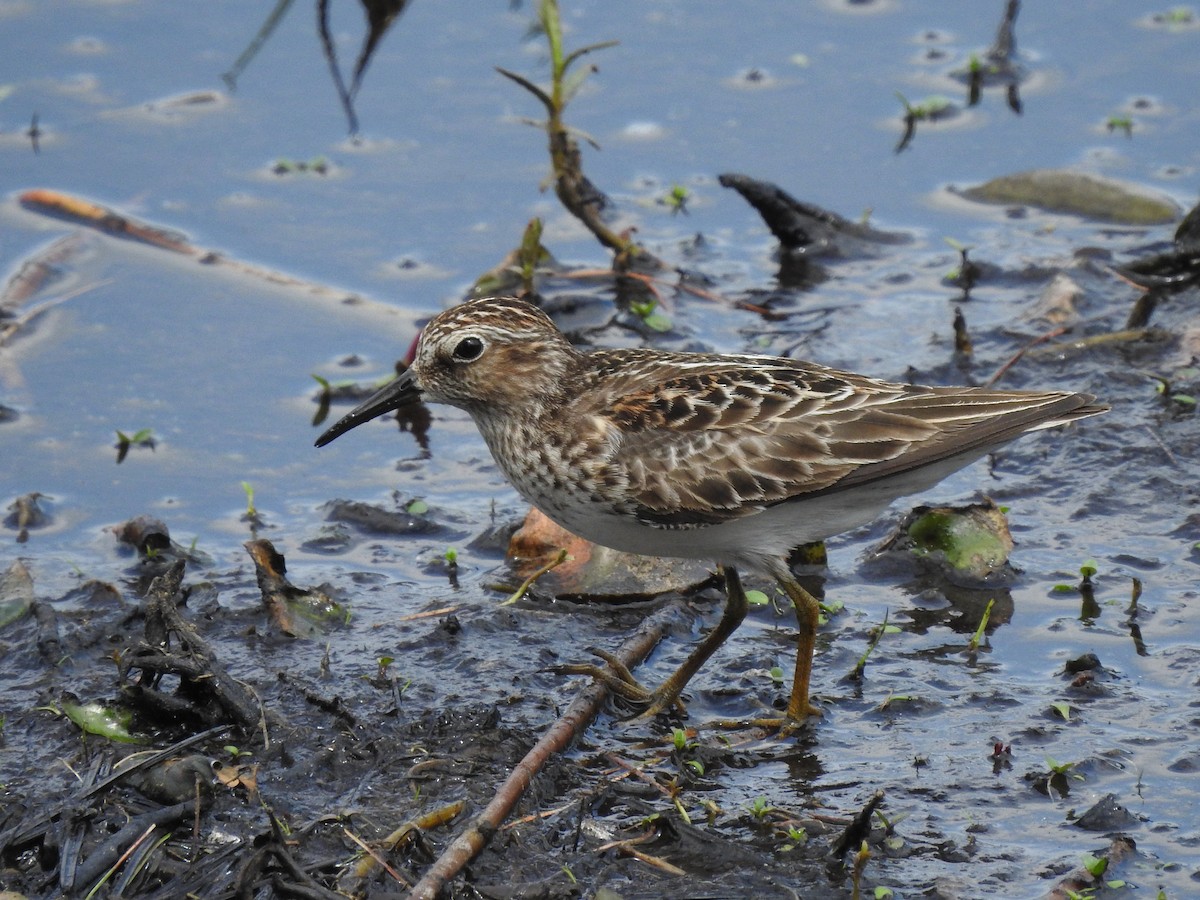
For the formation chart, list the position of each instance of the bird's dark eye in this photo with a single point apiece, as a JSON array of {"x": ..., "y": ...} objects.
[{"x": 468, "y": 349}]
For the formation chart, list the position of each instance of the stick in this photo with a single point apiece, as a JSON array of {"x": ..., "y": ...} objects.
[{"x": 583, "y": 709}]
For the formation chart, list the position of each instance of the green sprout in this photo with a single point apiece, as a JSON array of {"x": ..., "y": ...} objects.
[
  {"x": 759, "y": 808},
  {"x": 531, "y": 254},
  {"x": 794, "y": 838},
  {"x": 977, "y": 637},
  {"x": 926, "y": 110},
  {"x": 251, "y": 514},
  {"x": 676, "y": 199},
  {"x": 680, "y": 739},
  {"x": 646, "y": 310},
  {"x": 1120, "y": 123},
  {"x": 142, "y": 438},
  {"x": 1096, "y": 865},
  {"x": 876, "y": 634},
  {"x": 1064, "y": 769}
]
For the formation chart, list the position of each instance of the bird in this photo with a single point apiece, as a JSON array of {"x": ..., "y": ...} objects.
[{"x": 732, "y": 458}]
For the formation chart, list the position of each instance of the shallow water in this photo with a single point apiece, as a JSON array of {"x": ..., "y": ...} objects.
[{"x": 437, "y": 191}]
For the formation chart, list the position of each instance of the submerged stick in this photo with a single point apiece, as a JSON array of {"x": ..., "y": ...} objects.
[
  {"x": 583, "y": 709},
  {"x": 109, "y": 221}
]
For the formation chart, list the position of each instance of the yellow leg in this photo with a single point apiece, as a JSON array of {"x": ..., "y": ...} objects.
[
  {"x": 666, "y": 695},
  {"x": 808, "y": 613}
]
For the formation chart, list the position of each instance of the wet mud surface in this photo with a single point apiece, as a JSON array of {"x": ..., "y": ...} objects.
[{"x": 374, "y": 680}]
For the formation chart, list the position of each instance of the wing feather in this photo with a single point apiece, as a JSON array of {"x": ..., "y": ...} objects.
[{"x": 700, "y": 440}]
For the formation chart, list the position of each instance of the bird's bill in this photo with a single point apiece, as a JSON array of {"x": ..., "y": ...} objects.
[{"x": 401, "y": 391}]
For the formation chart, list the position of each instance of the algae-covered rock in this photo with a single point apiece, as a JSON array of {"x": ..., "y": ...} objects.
[{"x": 1090, "y": 196}]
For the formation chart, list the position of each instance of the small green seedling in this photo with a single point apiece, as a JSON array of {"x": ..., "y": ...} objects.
[
  {"x": 828, "y": 609},
  {"x": 977, "y": 637},
  {"x": 760, "y": 808},
  {"x": 876, "y": 633},
  {"x": 679, "y": 738},
  {"x": 142, "y": 438},
  {"x": 1064, "y": 769},
  {"x": 928, "y": 109},
  {"x": 318, "y": 165},
  {"x": 417, "y": 508},
  {"x": 251, "y": 514},
  {"x": 647, "y": 311},
  {"x": 1096, "y": 865},
  {"x": 1120, "y": 123},
  {"x": 531, "y": 254},
  {"x": 963, "y": 251},
  {"x": 896, "y": 698},
  {"x": 1063, "y": 708},
  {"x": 794, "y": 838},
  {"x": 676, "y": 199}
]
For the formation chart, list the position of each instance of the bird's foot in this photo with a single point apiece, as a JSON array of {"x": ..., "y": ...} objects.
[
  {"x": 615, "y": 676},
  {"x": 782, "y": 726}
]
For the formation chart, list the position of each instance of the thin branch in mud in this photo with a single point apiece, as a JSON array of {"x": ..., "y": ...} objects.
[
  {"x": 578, "y": 716},
  {"x": 1174, "y": 460},
  {"x": 364, "y": 867},
  {"x": 558, "y": 560},
  {"x": 129, "y": 851},
  {"x": 108, "y": 221},
  {"x": 429, "y": 613},
  {"x": 1015, "y": 358}
]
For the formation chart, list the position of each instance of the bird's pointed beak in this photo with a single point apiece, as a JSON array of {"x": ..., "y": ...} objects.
[{"x": 401, "y": 391}]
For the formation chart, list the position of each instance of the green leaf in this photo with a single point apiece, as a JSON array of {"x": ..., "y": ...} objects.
[
  {"x": 1096, "y": 865},
  {"x": 1063, "y": 708},
  {"x": 679, "y": 738},
  {"x": 417, "y": 508},
  {"x": 105, "y": 721},
  {"x": 757, "y": 598}
]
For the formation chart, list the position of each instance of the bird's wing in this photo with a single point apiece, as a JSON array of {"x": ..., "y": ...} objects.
[{"x": 713, "y": 441}]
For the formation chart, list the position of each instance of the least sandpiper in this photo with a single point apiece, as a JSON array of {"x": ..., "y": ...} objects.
[{"x": 737, "y": 459}]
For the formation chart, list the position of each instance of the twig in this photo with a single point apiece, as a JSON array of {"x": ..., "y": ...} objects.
[
  {"x": 1012, "y": 360},
  {"x": 558, "y": 560},
  {"x": 583, "y": 709}
]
